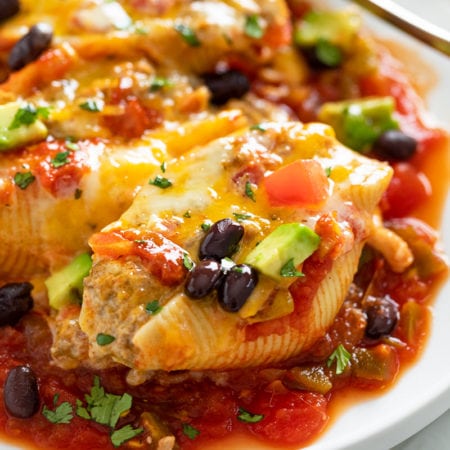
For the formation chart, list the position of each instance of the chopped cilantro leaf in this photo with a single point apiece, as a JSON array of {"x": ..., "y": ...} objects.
[
  {"x": 23, "y": 179},
  {"x": 187, "y": 262},
  {"x": 28, "y": 115},
  {"x": 187, "y": 214},
  {"x": 253, "y": 27},
  {"x": 163, "y": 167},
  {"x": 188, "y": 34},
  {"x": 111, "y": 408},
  {"x": 81, "y": 411},
  {"x": 289, "y": 270},
  {"x": 206, "y": 226},
  {"x": 342, "y": 357},
  {"x": 245, "y": 416},
  {"x": 328, "y": 171},
  {"x": 159, "y": 83},
  {"x": 63, "y": 413},
  {"x": 91, "y": 106},
  {"x": 97, "y": 392},
  {"x": 70, "y": 145},
  {"x": 240, "y": 217},
  {"x": 104, "y": 339},
  {"x": 104, "y": 408},
  {"x": 190, "y": 431},
  {"x": 258, "y": 127},
  {"x": 328, "y": 53},
  {"x": 153, "y": 307},
  {"x": 60, "y": 159},
  {"x": 160, "y": 182},
  {"x": 249, "y": 191},
  {"x": 124, "y": 434}
]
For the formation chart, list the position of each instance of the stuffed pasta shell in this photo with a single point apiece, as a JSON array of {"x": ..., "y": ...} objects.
[{"x": 239, "y": 254}]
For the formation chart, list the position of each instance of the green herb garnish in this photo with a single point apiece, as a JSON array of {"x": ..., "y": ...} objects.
[
  {"x": 91, "y": 106},
  {"x": 163, "y": 167},
  {"x": 159, "y": 83},
  {"x": 289, "y": 270},
  {"x": 342, "y": 357},
  {"x": 249, "y": 191},
  {"x": 187, "y": 214},
  {"x": 102, "y": 407},
  {"x": 153, "y": 307},
  {"x": 188, "y": 34},
  {"x": 28, "y": 115},
  {"x": 328, "y": 171},
  {"x": 187, "y": 262},
  {"x": 240, "y": 216},
  {"x": 60, "y": 159},
  {"x": 23, "y": 179},
  {"x": 258, "y": 127},
  {"x": 248, "y": 417},
  {"x": 124, "y": 434},
  {"x": 253, "y": 27},
  {"x": 190, "y": 431},
  {"x": 160, "y": 182},
  {"x": 70, "y": 145},
  {"x": 104, "y": 339},
  {"x": 62, "y": 413},
  {"x": 328, "y": 53},
  {"x": 206, "y": 226}
]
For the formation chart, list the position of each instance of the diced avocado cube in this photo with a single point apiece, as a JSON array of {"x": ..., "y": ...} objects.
[
  {"x": 289, "y": 242},
  {"x": 358, "y": 123},
  {"x": 336, "y": 27},
  {"x": 19, "y": 125},
  {"x": 66, "y": 285}
]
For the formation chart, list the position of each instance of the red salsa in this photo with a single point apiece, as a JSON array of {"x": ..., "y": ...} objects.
[{"x": 286, "y": 405}]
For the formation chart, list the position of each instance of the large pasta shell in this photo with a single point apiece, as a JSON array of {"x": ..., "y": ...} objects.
[{"x": 187, "y": 334}]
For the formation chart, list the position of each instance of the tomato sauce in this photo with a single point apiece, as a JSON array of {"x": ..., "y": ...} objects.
[{"x": 270, "y": 405}]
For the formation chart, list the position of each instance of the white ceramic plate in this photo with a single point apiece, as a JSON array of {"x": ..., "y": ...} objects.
[{"x": 423, "y": 392}]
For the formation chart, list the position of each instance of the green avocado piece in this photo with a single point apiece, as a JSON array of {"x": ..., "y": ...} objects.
[
  {"x": 290, "y": 243},
  {"x": 358, "y": 123},
  {"x": 66, "y": 285},
  {"x": 19, "y": 125},
  {"x": 335, "y": 27}
]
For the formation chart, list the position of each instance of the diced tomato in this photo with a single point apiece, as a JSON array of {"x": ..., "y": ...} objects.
[
  {"x": 111, "y": 245},
  {"x": 408, "y": 189},
  {"x": 134, "y": 120},
  {"x": 162, "y": 257},
  {"x": 61, "y": 180},
  {"x": 51, "y": 65},
  {"x": 290, "y": 418},
  {"x": 278, "y": 34},
  {"x": 301, "y": 183}
]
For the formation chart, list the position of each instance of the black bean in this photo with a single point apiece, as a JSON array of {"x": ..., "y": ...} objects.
[
  {"x": 8, "y": 8},
  {"x": 222, "y": 240},
  {"x": 395, "y": 145},
  {"x": 15, "y": 302},
  {"x": 236, "y": 287},
  {"x": 21, "y": 394},
  {"x": 203, "y": 278},
  {"x": 226, "y": 85},
  {"x": 30, "y": 46},
  {"x": 382, "y": 316}
]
